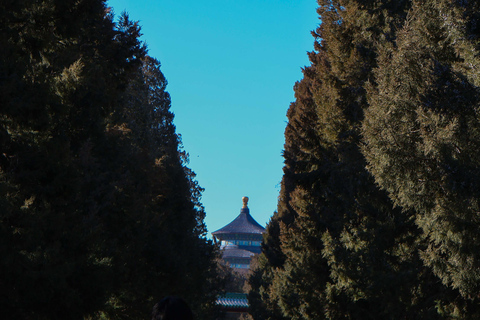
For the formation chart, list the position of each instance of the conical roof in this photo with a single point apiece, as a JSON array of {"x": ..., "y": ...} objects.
[{"x": 243, "y": 223}]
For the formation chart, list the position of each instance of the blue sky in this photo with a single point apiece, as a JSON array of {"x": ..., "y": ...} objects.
[{"x": 231, "y": 66}]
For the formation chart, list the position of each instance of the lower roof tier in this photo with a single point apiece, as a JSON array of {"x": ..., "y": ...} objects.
[
  {"x": 239, "y": 236},
  {"x": 236, "y": 252}
]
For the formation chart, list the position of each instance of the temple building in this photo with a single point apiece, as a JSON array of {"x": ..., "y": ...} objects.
[{"x": 240, "y": 240}]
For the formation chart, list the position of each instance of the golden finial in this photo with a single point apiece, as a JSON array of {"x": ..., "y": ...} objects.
[{"x": 245, "y": 202}]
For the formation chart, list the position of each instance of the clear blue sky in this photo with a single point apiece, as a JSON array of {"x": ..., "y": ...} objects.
[{"x": 231, "y": 66}]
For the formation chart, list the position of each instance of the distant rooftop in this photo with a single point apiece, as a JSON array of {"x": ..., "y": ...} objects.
[
  {"x": 236, "y": 252},
  {"x": 233, "y": 302},
  {"x": 243, "y": 223}
]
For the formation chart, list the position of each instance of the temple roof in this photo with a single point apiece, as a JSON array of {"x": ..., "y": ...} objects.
[
  {"x": 243, "y": 223},
  {"x": 233, "y": 302},
  {"x": 233, "y": 251}
]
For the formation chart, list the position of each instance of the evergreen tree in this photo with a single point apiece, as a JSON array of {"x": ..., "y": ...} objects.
[
  {"x": 163, "y": 251},
  {"x": 346, "y": 253},
  {"x": 422, "y": 137},
  {"x": 99, "y": 215},
  {"x": 263, "y": 304},
  {"x": 50, "y": 267}
]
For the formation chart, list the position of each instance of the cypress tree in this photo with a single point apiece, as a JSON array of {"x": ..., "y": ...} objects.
[
  {"x": 346, "y": 253},
  {"x": 96, "y": 201},
  {"x": 50, "y": 267},
  {"x": 154, "y": 231},
  {"x": 422, "y": 137}
]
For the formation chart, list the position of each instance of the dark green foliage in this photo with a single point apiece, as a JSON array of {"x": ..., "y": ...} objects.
[
  {"x": 164, "y": 250},
  {"x": 99, "y": 215},
  {"x": 50, "y": 268},
  {"x": 422, "y": 135},
  {"x": 337, "y": 248},
  {"x": 263, "y": 303}
]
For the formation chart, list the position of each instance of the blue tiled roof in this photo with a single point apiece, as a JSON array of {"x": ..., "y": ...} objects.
[
  {"x": 234, "y": 251},
  {"x": 243, "y": 223},
  {"x": 233, "y": 301}
]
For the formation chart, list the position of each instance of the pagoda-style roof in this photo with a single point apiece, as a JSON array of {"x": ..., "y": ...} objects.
[
  {"x": 234, "y": 302},
  {"x": 233, "y": 251},
  {"x": 243, "y": 223}
]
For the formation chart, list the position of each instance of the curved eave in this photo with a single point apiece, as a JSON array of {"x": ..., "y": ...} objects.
[{"x": 236, "y": 252}]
